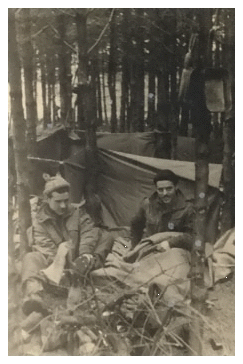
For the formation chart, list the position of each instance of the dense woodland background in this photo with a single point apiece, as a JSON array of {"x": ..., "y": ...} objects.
[
  {"x": 115, "y": 70},
  {"x": 133, "y": 59}
]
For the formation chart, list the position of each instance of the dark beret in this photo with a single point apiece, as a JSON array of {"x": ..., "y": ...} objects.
[{"x": 166, "y": 175}]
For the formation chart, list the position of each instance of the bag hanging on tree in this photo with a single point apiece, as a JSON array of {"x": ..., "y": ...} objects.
[
  {"x": 184, "y": 89},
  {"x": 217, "y": 90}
]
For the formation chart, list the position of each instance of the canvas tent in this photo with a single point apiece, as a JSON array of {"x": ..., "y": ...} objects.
[{"x": 124, "y": 179}]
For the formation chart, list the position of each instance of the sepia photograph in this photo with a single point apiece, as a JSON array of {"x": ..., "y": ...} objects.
[{"x": 121, "y": 182}]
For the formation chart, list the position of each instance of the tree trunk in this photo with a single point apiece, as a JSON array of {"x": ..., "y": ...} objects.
[
  {"x": 53, "y": 117},
  {"x": 98, "y": 88},
  {"x": 93, "y": 74},
  {"x": 43, "y": 89},
  {"x": 203, "y": 127},
  {"x": 69, "y": 90},
  {"x": 162, "y": 105},
  {"x": 174, "y": 110},
  {"x": 49, "y": 66},
  {"x": 11, "y": 194},
  {"x": 27, "y": 55},
  {"x": 49, "y": 101},
  {"x": 125, "y": 70},
  {"x": 137, "y": 76},
  {"x": 227, "y": 217},
  {"x": 132, "y": 107},
  {"x": 185, "y": 111},
  {"x": 81, "y": 24},
  {"x": 85, "y": 94},
  {"x": 52, "y": 83},
  {"x": 64, "y": 71},
  {"x": 103, "y": 88},
  {"x": 112, "y": 73},
  {"x": 140, "y": 72},
  {"x": 35, "y": 77},
  {"x": 129, "y": 105},
  {"x": 228, "y": 210},
  {"x": 151, "y": 100},
  {"x": 19, "y": 129}
]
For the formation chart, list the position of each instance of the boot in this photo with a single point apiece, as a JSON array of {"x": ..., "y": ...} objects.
[
  {"x": 82, "y": 265},
  {"x": 31, "y": 321},
  {"x": 33, "y": 301}
]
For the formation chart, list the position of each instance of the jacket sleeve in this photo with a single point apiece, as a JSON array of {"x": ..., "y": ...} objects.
[
  {"x": 138, "y": 224},
  {"x": 185, "y": 240},
  {"x": 43, "y": 242},
  {"x": 89, "y": 234}
]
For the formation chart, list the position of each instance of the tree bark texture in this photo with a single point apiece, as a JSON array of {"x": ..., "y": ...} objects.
[
  {"x": 151, "y": 100},
  {"x": 30, "y": 102},
  {"x": 104, "y": 88},
  {"x": 43, "y": 89},
  {"x": 19, "y": 129},
  {"x": 203, "y": 127},
  {"x": 98, "y": 91},
  {"x": 65, "y": 77},
  {"x": 137, "y": 76},
  {"x": 112, "y": 73},
  {"x": 94, "y": 99},
  {"x": 228, "y": 210},
  {"x": 185, "y": 116},
  {"x": 162, "y": 70},
  {"x": 81, "y": 24},
  {"x": 89, "y": 121},
  {"x": 228, "y": 52},
  {"x": 125, "y": 71},
  {"x": 174, "y": 110},
  {"x": 91, "y": 157}
]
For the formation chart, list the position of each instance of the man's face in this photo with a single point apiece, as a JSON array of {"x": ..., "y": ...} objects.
[
  {"x": 59, "y": 202},
  {"x": 166, "y": 191}
]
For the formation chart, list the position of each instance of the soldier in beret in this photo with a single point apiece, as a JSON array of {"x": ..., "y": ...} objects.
[{"x": 165, "y": 210}]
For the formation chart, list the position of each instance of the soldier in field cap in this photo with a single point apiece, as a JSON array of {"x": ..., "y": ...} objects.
[
  {"x": 61, "y": 230},
  {"x": 165, "y": 210}
]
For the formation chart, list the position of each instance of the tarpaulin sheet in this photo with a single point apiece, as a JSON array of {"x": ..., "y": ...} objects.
[
  {"x": 150, "y": 144},
  {"x": 156, "y": 144},
  {"x": 58, "y": 143},
  {"x": 125, "y": 179}
]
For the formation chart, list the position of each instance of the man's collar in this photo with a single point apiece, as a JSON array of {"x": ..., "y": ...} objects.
[{"x": 45, "y": 213}]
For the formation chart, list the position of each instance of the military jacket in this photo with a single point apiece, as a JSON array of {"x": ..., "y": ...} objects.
[{"x": 154, "y": 217}]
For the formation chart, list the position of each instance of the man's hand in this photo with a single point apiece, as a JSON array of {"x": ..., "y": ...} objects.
[
  {"x": 84, "y": 263},
  {"x": 88, "y": 256},
  {"x": 64, "y": 248},
  {"x": 165, "y": 245}
]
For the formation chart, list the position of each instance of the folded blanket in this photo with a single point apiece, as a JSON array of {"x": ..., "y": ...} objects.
[
  {"x": 223, "y": 255},
  {"x": 148, "y": 264},
  {"x": 167, "y": 269}
]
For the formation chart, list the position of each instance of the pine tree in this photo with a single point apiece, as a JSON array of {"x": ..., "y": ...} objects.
[{"x": 19, "y": 130}]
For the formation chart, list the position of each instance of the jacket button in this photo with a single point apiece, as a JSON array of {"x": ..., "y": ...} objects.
[{"x": 171, "y": 225}]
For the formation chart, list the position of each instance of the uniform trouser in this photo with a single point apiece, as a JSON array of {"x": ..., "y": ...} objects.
[
  {"x": 104, "y": 246},
  {"x": 33, "y": 263}
]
